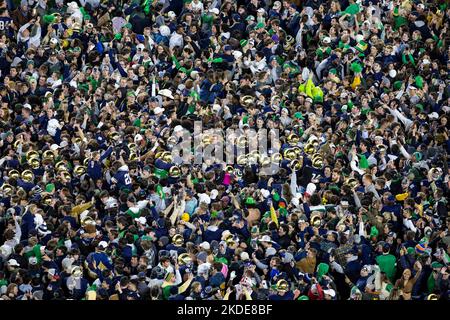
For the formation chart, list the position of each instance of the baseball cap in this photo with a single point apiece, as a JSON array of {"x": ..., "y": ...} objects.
[
  {"x": 103, "y": 244},
  {"x": 32, "y": 260},
  {"x": 141, "y": 220},
  {"x": 138, "y": 138},
  {"x": 158, "y": 110},
  {"x": 54, "y": 147},
  {"x": 13, "y": 263},
  {"x": 205, "y": 245},
  {"x": 330, "y": 292}
]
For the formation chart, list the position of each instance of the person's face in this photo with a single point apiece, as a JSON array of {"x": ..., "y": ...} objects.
[
  {"x": 166, "y": 264},
  {"x": 363, "y": 147},
  {"x": 335, "y": 176},
  {"x": 273, "y": 263},
  {"x": 364, "y": 272},
  {"x": 26, "y": 112},
  {"x": 407, "y": 274},
  {"x": 142, "y": 262},
  {"x": 366, "y": 181},
  {"x": 330, "y": 237}
]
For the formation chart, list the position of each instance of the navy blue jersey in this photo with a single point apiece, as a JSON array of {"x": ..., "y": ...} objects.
[
  {"x": 94, "y": 168},
  {"x": 5, "y": 25},
  {"x": 122, "y": 177}
]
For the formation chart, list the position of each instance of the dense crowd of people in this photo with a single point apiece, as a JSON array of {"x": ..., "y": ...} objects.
[{"x": 94, "y": 206}]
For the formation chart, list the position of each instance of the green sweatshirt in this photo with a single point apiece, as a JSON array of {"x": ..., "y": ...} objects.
[{"x": 387, "y": 264}]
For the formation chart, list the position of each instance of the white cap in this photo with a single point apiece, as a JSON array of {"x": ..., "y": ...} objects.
[
  {"x": 111, "y": 203},
  {"x": 158, "y": 110},
  {"x": 433, "y": 115},
  {"x": 51, "y": 272},
  {"x": 178, "y": 128},
  {"x": 330, "y": 292},
  {"x": 13, "y": 263},
  {"x": 194, "y": 74},
  {"x": 265, "y": 193},
  {"x": 202, "y": 197},
  {"x": 164, "y": 30},
  {"x": 27, "y": 106},
  {"x": 138, "y": 138},
  {"x": 205, "y": 245},
  {"x": 141, "y": 220},
  {"x": 165, "y": 93},
  {"x": 103, "y": 244},
  {"x": 214, "y": 10},
  {"x": 54, "y": 147},
  {"x": 140, "y": 46},
  {"x": 326, "y": 40},
  {"x": 277, "y": 5},
  {"x": 261, "y": 10},
  {"x": 392, "y": 73},
  {"x": 54, "y": 40},
  {"x": 63, "y": 144},
  {"x": 171, "y": 14},
  {"x": 245, "y": 256},
  {"x": 32, "y": 260},
  {"x": 237, "y": 54},
  {"x": 265, "y": 238},
  {"x": 213, "y": 194}
]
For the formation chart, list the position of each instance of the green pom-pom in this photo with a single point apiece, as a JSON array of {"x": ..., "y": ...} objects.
[
  {"x": 356, "y": 67},
  {"x": 419, "y": 82},
  {"x": 398, "y": 85},
  {"x": 49, "y": 18}
]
